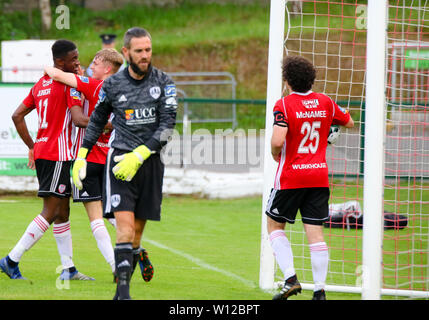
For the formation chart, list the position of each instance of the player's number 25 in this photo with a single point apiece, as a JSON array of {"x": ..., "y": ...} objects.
[{"x": 311, "y": 133}]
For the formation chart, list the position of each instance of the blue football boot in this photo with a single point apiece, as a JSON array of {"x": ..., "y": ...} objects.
[
  {"x": 75, "y": 275},
  {"x": 12, "y": 272}
]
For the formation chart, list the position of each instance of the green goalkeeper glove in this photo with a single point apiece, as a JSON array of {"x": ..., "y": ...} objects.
[
  {"x": 130, "y": 162},
  {"x": 79, "y": 167}
]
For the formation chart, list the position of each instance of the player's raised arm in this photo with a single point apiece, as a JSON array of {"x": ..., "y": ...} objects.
[
  {"x": 67, "y": 78},
  {"x": 78, "y": 117}
]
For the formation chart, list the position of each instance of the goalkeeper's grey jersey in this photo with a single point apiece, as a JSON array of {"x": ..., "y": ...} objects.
[{"x": 144, "y": 111}]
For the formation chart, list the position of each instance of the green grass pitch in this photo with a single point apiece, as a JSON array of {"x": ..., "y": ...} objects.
[{"x": 201, "y": 250}]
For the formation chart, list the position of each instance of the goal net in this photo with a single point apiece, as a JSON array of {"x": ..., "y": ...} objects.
[{"x": 333, "y": 35}]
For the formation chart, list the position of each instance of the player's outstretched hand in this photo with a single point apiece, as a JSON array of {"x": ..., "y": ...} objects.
[
  {"x": 129, "y": 163},
  {"x": 79, "y": 168}
]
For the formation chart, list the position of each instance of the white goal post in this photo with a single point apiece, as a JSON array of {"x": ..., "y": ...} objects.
[
  {"x": 274, "y": 92},
  {"x": 374, "y": 150},
  {"x": 369, "y": 273}
]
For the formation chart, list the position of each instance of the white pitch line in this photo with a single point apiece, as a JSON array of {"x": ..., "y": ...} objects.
[{"x": 201, "y": 263}]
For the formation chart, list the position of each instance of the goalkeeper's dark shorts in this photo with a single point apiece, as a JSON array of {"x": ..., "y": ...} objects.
[
  {"x": 92, "y": 185},
  {"x": 313, "y": 204},
  {"x": 142, "y": 195}
]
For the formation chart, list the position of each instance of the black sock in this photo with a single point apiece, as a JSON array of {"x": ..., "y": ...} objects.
[
  {"x": 123, "y": 264},
  {"x": 136, "y": 258},
  {"x": 10, "y": 262},
  {"x": 72, "y": 269}
]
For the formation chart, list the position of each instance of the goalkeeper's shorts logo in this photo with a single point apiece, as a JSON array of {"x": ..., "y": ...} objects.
[{"x": 115, "y": 199}]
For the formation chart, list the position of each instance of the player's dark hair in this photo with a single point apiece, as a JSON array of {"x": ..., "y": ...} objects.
[
  {"x": 61, "y": 47},
  {"x": 299, "y": 73},
  {"x": 135, "y": 32}
]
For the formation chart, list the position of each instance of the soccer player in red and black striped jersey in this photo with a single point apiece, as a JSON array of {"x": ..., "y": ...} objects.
[
  {"x": 302, "y": 121},
  {"x": 51, "y": 155},
  {"x": 106, "y": 62}
]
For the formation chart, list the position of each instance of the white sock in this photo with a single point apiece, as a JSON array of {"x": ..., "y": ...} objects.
[
  {"x": 103, "y": 241},
  {"x": 63, "y": 237},
  {"x": 34, "y": 232},
  {"x": 283, "y": 252},
  {"x": 319, "y": 264}
]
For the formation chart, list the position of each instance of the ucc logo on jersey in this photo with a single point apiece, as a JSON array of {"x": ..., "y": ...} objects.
[
  {"x": 129, "y": 114},
  {"x": 140, "y": 116}
]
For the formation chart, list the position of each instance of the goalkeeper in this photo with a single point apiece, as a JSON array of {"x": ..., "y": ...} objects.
[{"x": 143, "y": 102}]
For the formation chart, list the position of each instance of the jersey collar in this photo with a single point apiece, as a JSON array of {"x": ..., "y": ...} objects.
[{"x": 302, "y": 93}]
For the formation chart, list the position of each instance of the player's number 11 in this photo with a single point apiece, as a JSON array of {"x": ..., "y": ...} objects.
[{"x": 43, "y": 107}]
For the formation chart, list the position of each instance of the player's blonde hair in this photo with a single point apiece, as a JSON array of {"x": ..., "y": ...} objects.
[{"x": 110, "y": 56}]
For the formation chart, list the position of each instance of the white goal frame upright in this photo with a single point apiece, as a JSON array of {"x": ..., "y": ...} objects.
[{"x": 370, "y": 286}]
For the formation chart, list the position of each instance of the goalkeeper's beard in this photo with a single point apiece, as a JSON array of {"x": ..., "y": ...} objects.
[{"x": 136, "y": 68}]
